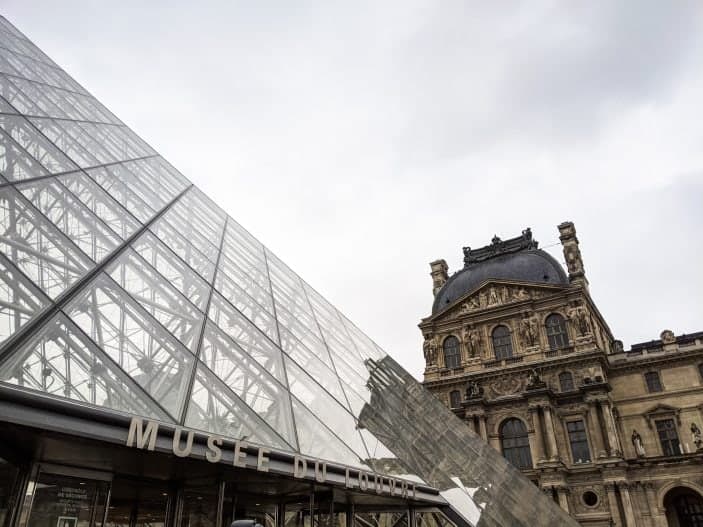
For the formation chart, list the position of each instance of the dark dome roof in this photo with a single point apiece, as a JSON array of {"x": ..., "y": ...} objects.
[{"x": 532, "y": 265}]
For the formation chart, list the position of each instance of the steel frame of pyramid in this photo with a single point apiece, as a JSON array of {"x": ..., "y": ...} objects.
[{"x": 124, "y": 288}]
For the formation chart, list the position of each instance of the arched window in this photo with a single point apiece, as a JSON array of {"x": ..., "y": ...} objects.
[
  {"x": 502, "y": 343},
  {"x": 514, "y": 443},
  {"x": 566, "y": 381},
  {"x": 455, "y": 399},
  {"x": 556, "y": 332},
  {"x": 451, "y": 352}
]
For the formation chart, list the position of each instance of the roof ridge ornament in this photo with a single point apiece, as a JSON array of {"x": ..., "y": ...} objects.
[{"x": 499, "y": 247}]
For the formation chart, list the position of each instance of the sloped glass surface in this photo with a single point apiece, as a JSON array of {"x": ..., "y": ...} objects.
[
  {"x": 71, "y": 217},
  {"x": 20, "y": 299},
  {"x": 183, "y": 221},
  {"x": 151, "y": 356},
  {"x": 163, "y": 302},
  {"x": 246, "y": 335},
  {"x": 36, "y": 247},
  {"x": 15, "y": 163},
  {"x": 173, "y": 269},
  {"x": 60, "y": 360},
  {"x": 215, "y": 408},
  {"x": 100, "y": 203},
  {"x": 35, "y": 144},
  {"x": 249, "y": 380}
]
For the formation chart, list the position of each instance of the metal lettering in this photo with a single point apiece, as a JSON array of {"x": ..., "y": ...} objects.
[
  {"x": 141, "y": 435},
  {"x": 320, "y": 475},
  {"x": 363, "y": 480},
  {"x": 177, "y": 443},
  {"x": 403, "y": 489},
  {"x": 391, "y": 486},
  {"x": 300, "y": 467},
  {"x": 378, "y": 481},
  {"x": 239, "y": 455},
  {"x": 262, "y": 461},
  {"x": 347, "y": 479},
  {"x": 414, "y": 491},
  {"x": 214, "y": 454}
]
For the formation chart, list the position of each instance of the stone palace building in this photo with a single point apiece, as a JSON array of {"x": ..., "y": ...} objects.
[{"x": 518, "y": 349}]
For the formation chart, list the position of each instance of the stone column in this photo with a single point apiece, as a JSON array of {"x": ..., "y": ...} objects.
[
  {"x": 624, "y": 489},
  {"x": 563, "y": 495},
  {"x": 613, "y": 504},
  {"x": 551, "y": 440},
  {"x": 657, "y": 519},
  {"x": 537, "y": 436},
  {"x": 482, "y": 427},
  {"x": 613, "y": 441},
  {"x": 596, "y": 430}
]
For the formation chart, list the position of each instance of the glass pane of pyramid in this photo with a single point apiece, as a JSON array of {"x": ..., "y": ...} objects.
[
  {"x": 60, "y": 360},
  {"x": 20, "y": 299},
  {"x": 36, "y": 247},
  {"x": 143, "y": 348},
  {"x": 194, "y": 320}
]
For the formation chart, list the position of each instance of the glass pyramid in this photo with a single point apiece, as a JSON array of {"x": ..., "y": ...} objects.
[{"x": 123, "y": 286}]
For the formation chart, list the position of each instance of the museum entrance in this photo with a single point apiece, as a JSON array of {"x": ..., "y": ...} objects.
[{"x": 684, "y": 508}]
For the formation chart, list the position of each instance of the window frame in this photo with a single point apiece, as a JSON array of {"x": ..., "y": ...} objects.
[
  {"x": 578, "y": 439},
  {"x": 503, "y": 348},
  {"x": 455, "y": 355},
  {"x": 564, "y": 375},
  {"x": 668, "y": 447},
  {"x": 653, "y": 387},
  {"x": 455, "y": 394},
  {"x": 556, "y": 339},
  {"x": 516, "y": 446}
]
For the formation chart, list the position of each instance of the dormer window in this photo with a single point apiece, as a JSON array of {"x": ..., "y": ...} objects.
[
  {"x": 502, "y": 343},
  {"x": 451, "y": 352}
]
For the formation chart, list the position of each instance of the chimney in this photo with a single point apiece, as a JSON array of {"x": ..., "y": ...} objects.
[
  {"x": 572, "y": 254},
  {"x": 439, "y": 275}
]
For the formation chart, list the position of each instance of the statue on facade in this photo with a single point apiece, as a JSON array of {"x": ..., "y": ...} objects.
[
  {"x": 696, "y": 436},
  {"x": 472, "y": 340},
  {"x": 578, "y": 316},
  {"x": 637, "y": 443},
  {"x": 529, "y": 330},
  {"x": 473, "y": 390},
  {"x": 534, "y": 380},
  {"x": 493, "y": 297},
  {"x": 520, "y": 294},
  {"x": 430, "y": 351}
]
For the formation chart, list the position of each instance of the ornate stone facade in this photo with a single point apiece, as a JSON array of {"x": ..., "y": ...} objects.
[{"x": 612, "y": 435}]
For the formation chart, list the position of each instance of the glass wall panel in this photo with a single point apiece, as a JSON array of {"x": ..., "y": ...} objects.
[
  {"x": 36, "y": 144},
  {"x": 38, "y": 249},
  {"x": 60, "y": 360},
  {"x": 71, "y": 217},
  {"x": 15, "y": 163},
  {"x": 199, "y": 507},
  {"x": 137, "y": 504},
  {"x": 151, "y": 356},
  {"x": 20, "y": 299},
  {"x": 163, "y": 302},
  {"x": 179, "y": 244},
  {"x": 9, "y": 475},
  {"x": 213, "y": 407}
]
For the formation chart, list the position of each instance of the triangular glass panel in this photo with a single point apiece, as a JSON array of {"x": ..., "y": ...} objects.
[
  {"x": 20, "y": 299},
  {"x": 247, "y": 336},
  {"x": 71, "y": 217},
  {"x": 163, "y": 302},
  {"x": 63, "y": 134},
  {"x": 15, "y": 163},
  {"x": 151, "y": 356},
  {"x": 36, "y": 144},
  {"x": 332, "y": 412},
  {"x": 174, "y": 270},
  {"x": 36, "y": 247},
  {"x": 60, "y": 360},
  {"x": 215, "y": 408},
  {"x": 100, "y": 203},
  {"x": 11, "y": 92},
  {"x": 249, "y": 380},
  {"x": 182, "y": 220}
]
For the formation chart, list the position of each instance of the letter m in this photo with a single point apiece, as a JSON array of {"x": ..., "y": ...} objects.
[{"x": 142, "y": 435}]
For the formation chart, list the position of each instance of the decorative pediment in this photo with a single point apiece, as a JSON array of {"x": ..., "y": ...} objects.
[
  {"x": 496, "y": 293},
  {"x": 661, "y": 411}
]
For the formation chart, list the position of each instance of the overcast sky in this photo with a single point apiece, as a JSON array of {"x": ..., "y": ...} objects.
[{"x": 359, "y": 141}]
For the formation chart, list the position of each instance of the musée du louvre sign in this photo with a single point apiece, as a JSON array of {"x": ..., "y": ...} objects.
[{"x": 143, "y": 435}]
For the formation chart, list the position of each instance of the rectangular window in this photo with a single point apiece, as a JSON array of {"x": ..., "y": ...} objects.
[
  {"x": 455, "y": 399},
  {"x": 668, "y": 437},
  {"x": 579, "y": 442},
  {"x": 654, "y": 384}
]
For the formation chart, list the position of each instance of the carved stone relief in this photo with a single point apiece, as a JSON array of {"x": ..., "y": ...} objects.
[{"x": 507, "y": 385}]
